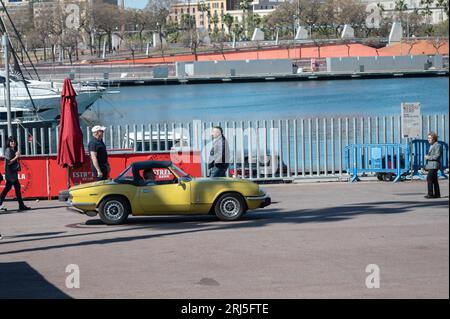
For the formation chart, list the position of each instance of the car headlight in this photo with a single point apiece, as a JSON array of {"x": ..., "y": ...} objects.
[{"x": 262, "y": 191}]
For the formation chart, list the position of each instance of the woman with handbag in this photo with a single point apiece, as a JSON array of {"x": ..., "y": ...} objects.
[{"x": 12, "y": 166}]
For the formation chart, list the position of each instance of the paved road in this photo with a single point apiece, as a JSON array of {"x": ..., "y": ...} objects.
[{"x": 315, "y": 241}]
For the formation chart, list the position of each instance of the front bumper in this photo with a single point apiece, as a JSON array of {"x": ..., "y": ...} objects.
[
  {"x": 82, "y": 208},
  {"x": 267, "y": 202},
  {"x": 258, "y": 201}
]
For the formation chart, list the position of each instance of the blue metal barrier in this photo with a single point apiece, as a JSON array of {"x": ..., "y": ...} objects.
[
  {"x": 419, "y": 148},
  {"x": 377, "y": 158}
]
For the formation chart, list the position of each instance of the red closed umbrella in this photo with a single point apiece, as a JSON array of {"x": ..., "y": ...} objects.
[{"x": 70, "y": 147}]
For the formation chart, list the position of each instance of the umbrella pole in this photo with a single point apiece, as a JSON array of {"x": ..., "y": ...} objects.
[{"x": 68, "y": 177}]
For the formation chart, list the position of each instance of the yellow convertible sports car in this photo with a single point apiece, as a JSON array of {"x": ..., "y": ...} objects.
[{"x": 161, "y": 188}]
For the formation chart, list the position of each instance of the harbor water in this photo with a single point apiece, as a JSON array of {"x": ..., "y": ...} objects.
[{"x": 265, "y": 101}]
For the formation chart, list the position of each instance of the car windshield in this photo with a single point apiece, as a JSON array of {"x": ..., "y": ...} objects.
[
  {"x": 126, "y": 176},
  {"x": 180, "y": 173}
]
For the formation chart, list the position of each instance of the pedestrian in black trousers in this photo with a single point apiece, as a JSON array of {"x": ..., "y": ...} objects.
[
  {"x": 433, "y": 159},
  {"x": 12, "y": 166},
  {"x": 99, "y": 156},
  {"x": 218, "y": 161}
]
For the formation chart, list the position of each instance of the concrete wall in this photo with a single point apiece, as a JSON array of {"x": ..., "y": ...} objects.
[
  {"x": 234, "y": 68},
  {"x": 383, "y": 63},
  {"x": 161, "y": 72}
]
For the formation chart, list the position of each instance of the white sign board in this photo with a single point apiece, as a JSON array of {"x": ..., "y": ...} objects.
[{"x": 411, "y": 120}]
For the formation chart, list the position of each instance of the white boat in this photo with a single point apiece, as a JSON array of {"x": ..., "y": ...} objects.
[{"x": 46, "y": 97}]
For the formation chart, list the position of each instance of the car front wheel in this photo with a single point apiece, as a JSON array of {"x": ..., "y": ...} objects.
[
  {"x": 114, "y": 211},
  {"x": 229, "y": 207}
]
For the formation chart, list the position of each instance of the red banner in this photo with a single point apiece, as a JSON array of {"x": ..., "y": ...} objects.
[{"x": 41, "y": 177}]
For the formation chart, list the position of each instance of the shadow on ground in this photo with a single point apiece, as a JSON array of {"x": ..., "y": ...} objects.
[
  {"x": 18, "y": 280},
  {"x": 177, "y": 225}
]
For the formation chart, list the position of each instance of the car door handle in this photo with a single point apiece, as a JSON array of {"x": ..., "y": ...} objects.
[{"x": 146, "y": 191}]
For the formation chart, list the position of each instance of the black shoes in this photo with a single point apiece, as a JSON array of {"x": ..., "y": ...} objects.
[
  {"x": 432, "y": 196},
  {"x": 22, "y": 208}
]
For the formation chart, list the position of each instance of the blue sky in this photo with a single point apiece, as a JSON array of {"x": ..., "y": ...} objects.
[{"x": 140, "y": 4}]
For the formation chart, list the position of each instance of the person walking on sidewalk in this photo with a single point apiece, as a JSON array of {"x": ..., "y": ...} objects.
[
  {"x": 218, "y": 162},
  {"x": 99, "y": 155},
  {"x": 12, "y": 167},
  {"x": 433, "y": 159}
]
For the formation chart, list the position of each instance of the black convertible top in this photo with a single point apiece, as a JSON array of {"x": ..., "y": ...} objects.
[{"x": 150, "y": 164}]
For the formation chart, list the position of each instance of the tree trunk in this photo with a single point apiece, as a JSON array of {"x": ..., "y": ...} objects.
[
  {"x": 91, "y": 44},
  {"x": 69, "y": 52},
  {"x": 99, "y": 46}
]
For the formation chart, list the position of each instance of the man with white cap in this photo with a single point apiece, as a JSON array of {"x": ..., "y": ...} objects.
[{"x": 99, "y": 155}]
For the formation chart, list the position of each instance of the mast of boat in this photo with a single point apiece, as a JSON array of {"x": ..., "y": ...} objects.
[
  {"x": 16, "y": 62},
  {"x": 5, "y": 42},
  {"x": 20, "y": 41}
]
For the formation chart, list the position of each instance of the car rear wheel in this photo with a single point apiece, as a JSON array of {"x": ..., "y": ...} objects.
[
  {"x": 114, "y": 211},
  {"x": 229, "y": 207}
]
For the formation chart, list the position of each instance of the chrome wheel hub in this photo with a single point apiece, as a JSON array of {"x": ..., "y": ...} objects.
[
  {"x": 230, "y": 207},
  {"x": 114, "y": 210}
]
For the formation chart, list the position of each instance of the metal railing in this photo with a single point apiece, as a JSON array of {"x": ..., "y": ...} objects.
[
  {"x": 283, "y": 149},
  {"x": 387, "y": 158}
]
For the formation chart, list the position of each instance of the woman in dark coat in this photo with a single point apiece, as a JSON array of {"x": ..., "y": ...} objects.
[{"x": 12, "y": 166}]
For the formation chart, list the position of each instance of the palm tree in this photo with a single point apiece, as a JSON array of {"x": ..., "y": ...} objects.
[
  {"x": 401, "y": 6},
  {"x": 244, "y": 5},
  {"x": 215, "y": 21},
  {"x": 228, "y": 20},
  {"x": 443, "y": 5}
]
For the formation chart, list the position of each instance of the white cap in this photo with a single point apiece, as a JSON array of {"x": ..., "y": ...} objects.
[{"x": 98, "y": 128}]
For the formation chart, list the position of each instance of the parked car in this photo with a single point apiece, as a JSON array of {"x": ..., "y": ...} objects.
[
  {"x": 265, "y": 164},
  {"x": 161, "y": 188},
  {"x": 390, "y": 165},
  {"x": 173, "y": 140}
]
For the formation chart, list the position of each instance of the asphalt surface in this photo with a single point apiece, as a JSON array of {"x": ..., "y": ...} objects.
[{"x": 315, "y": 241}]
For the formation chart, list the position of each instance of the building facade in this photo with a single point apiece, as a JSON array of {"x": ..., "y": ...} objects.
[
  {"x": 20, "y": 10},
  {"x": 437, "y": 15},
  {"x": 208, "y": 14}
]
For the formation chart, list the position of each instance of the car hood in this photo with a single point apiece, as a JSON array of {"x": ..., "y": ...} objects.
[{"x": 93, "y": 184}]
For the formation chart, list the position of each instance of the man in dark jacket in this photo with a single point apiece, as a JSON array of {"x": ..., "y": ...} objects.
[
  {"x": 433, "y": 159},
  {"x": 218, "y": 162}
]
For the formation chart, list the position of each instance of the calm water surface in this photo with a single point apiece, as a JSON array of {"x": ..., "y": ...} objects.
[{"x": 275, "y": 100}]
